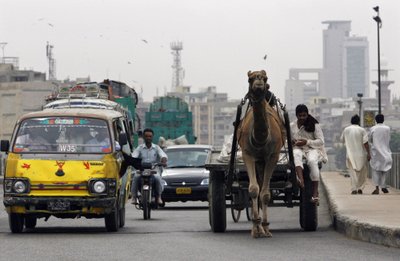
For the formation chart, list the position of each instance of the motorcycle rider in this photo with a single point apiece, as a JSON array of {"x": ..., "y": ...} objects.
[{"x": 151, "y": 153}]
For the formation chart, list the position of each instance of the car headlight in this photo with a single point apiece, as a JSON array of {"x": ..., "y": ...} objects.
[
  {"x": 163, "y": 182},
  {"x": 99, "y": 186},
  {"x": 204, "y": 182}
]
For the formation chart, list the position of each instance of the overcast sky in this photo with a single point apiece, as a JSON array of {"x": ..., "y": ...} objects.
[{"x": 222, "y": 40}]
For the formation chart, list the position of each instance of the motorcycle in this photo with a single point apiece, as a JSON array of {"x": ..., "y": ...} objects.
[{"x": 147, "y": 189}]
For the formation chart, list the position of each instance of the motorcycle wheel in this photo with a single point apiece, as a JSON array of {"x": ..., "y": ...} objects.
[{"x": 146, "y": 201}]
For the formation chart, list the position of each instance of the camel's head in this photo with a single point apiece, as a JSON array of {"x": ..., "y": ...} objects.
[{"x": 258, "y": 85}]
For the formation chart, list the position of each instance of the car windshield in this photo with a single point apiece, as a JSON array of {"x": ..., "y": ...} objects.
[
  {"x": 62, "y": 135},
  {"x": 187, "y": 157}
]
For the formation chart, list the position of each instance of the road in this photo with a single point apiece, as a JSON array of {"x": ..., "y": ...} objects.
[{"x": 181, "y": 231}]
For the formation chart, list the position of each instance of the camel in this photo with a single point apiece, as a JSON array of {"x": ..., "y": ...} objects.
[{"x": 260, "y": 136}]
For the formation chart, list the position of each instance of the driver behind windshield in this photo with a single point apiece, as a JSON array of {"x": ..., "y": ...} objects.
[{"x": 33, "y": 140}]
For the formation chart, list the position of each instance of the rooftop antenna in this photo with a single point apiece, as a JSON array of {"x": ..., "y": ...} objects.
[
  {"x": 177, "y": 70},
  {"x": 52, "y": 62},
  {"x": 2, "y": 45}
]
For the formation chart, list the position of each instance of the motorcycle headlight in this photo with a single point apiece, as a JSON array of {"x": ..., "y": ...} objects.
[
  {"x": 204, "y": 182},
  {"x": 19, "y": 186},
  {"x": 99, "y": 186}
]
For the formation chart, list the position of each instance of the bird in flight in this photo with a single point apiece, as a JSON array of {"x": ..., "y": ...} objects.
[
  {"x": 265, "y": 57},
  {"x": 144, "y": 40}
]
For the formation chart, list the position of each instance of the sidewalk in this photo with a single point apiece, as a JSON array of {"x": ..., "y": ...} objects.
[{"x": 366, "y": 217}]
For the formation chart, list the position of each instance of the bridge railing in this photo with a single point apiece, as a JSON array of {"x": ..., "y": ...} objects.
[{"x": 393, "y": 179}]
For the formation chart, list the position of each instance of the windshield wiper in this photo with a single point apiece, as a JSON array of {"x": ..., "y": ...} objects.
[{"x": 178, "y": 167}]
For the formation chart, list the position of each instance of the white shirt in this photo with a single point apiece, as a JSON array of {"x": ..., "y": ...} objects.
[
  {"x": 381, "y": 155},
  {"x": 149, "y": 155},
  {"x": 354, "y": 137},
  {"x": 315, "y": 140}
]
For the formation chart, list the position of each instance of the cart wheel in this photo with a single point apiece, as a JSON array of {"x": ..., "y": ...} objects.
[
  {"x": 217, "y": 204},
  {"x": 308, "y": 210},
  {"x": 235, "y": 212}
]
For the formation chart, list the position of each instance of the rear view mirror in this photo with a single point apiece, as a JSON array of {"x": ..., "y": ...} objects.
[
  {"x": 123, "y": 139},
  {"x": 5, "y": 145}
]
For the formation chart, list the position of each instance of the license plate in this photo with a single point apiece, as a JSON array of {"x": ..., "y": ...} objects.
[
  {"x": 58, "y": 205},
  {"x": 183, "y": 190}
]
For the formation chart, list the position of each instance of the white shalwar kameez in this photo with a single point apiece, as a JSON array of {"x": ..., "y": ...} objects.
[
  {"x": 381, "y": 155},
  {"x": 354, "y": 137},
  {"x": 313, "y": 151}
]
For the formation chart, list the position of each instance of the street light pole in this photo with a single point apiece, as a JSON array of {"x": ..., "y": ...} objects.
[{"x": 378, "y": 24}]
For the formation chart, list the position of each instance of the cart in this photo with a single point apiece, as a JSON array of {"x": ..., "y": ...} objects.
[{"x": 229, "y": 182}]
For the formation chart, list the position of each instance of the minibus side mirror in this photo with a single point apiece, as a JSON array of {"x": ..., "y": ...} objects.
[
  {"x": 123, "y": 139},
  {"x": 5, "y": 145}
]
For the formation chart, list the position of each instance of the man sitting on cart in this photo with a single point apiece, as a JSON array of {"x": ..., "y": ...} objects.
[{"x": 308, "y": 143}]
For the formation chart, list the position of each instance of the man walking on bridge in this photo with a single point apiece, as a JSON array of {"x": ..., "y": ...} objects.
[
  {"x": 381, "y": 161},
  {"x": 355, "y": 138}
]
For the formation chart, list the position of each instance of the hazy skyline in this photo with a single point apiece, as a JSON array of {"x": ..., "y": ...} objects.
[{"x": 130, "y": 41}]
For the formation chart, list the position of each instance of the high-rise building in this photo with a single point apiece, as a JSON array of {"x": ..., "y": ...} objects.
[
  {"x": 355, "y": 67},
  {"x": 333, "y": 40},
  {"x": 302, "y": 85},
  {"x": 345, "y": 62}
]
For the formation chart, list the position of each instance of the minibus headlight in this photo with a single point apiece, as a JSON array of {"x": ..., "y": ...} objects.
[
  {"x": 20, "y": 186},
  {"x": 99, "y": 186}
]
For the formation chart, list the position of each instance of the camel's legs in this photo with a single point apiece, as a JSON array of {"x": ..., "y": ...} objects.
[
  {"x": 265, "y": 196},
  {"x": 254, "y": 191}
]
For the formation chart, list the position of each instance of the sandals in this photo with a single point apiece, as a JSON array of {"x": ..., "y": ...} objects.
[{"x": 315, "y": 200}]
